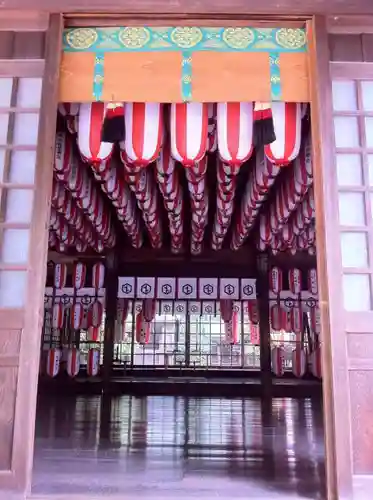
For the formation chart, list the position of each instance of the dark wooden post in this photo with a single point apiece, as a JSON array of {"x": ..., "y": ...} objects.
[
  {"x": 111, "y": 292},
  {"x": 264, "y": 328}
]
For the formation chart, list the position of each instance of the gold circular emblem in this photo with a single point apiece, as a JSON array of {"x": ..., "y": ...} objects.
[
  {"x": 134, "y": 38},
  {"x": 238, "y": 38},
  {"x": 291, "y": 38},
  {"x": 186, "y": 37},
  {"x": 81, "y": 38}
]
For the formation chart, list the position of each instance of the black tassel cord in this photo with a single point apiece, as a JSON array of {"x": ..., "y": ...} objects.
[{"x": 113, "y": 129}]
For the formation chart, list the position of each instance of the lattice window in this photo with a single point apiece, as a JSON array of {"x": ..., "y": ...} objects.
[
  {"x": 19, "y": 119},
  {"x": 353, "y": 127}
]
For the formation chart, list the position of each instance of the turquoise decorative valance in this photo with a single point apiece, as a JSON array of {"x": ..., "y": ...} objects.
[
  {"x": 188, "y": 45},
  {"x": 243, "y": 39}
]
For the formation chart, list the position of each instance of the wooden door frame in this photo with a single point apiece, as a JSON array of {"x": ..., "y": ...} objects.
[
  {"x": 337, "y": 423},
  {"x": 18, "y": 478},
  {"x": 338, "y": 446}
]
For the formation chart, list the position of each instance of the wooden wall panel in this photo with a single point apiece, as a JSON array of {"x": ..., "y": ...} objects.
[
  {"x": 8, "y": 391},
  {"x": 360, "y": 346},
  {"x": 9, "y": 356},
  {"x": 360, "y": 361},
  {"x": 29, "y": 45},
  {"x": 346, "y": 48},
  {"x": 367, "y": 44},
  {"x": 351, "y": 47},
  {"x": 361, "y": 387},
  {"x": 22, "y": 45},
  {"x": 6, "y": 44}
]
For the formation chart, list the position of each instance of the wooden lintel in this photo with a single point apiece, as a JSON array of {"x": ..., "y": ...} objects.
[{"x": 187, "y": 7}]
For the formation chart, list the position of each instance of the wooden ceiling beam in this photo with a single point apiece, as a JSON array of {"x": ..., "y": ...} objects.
[{"x": 186, "y": 8}]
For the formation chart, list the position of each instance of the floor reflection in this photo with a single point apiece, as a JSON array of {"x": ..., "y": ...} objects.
[{"x": 163, "y": 446}]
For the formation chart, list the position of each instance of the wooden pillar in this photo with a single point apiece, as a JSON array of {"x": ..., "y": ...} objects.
[
  {"x": 111, "y": 292},
  {"x": 336, "y": 380},
  {"x": 264, "y": 328}
]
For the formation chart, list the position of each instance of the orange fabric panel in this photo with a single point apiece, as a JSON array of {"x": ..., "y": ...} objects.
[
  {"x": 142, "y": 76},
  {"x": 156, "y": 77},
  {"x": 294, "y": 76},
  {"x": 76, "y": 77},
  {"x": 230, "y": 76}
]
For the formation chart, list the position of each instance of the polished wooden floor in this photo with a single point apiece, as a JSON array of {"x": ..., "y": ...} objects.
[{"x": 175, "y": 447}]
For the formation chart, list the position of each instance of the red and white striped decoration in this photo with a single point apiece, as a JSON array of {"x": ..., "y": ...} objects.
[
  {"x": 118, "y": 192},
  {"x": 68, "y": 108},
  {"x": 265, "y": 232},
  {"x": 144, "y": 131},
  {"x": 226, "y": 309},
  {"x": 196, "y": 177},
  {"x": 98, "y": 275},
  {"x": 302, "y": 168},
  {"x": 91, "y": 119},
  {"x": 60, "y": 275},
  {"x": 315, "y": 363},
  {"x": 63, "y": 156},
  {"x": 58, "y": 198},
  {"x": 93, "y": 333},
  {"x": 212, "y": 142},
  {"x": 142, "y": 185},
  {"x": 275, "y": 280},
  {"x": 77, "y": 316},
  {"x": 231, "y": 329},
  {"x": 95, "y": 314},
  {"x": 93, "y": 362},
  {"x": 295, "y": 281},
  {"x": 79, "y": 275},
  {"x": 278, "y": 317},
  {"x": 278, "y": 361},
  {"x": 172, "y": 192},
  {"x": 312, "y": 281},
  {"x": 142, "y": 327},
  {"x": 148, "y": 309},
  {"x": 252, "y": 311},
  {"x": 188, "y": 132},
  {"x": 53, "y": 362},
  {"x": 296, "y": 323},
  {"x": 315, "y": 320},
  {"x": 287, "y": 120},
  {"x": 235, "y": 131},
  {"x": 254, "y": 334},
  {"x": 260, "y": 180},
  {"x": 73, "y": 362},
  {"x": 65, "y": 205},
  {"x": 58, "y": 315},
  {"x": 120, "y": 323},
  {"x": 299, "y": 362},
  {"x": 52, "y": 239}
]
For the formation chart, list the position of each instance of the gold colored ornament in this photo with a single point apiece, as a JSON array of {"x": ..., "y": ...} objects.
[
  {"x": 81, "y": 38},
  {"x": 238, "y": 38},
  {"x": 291, "y": 38},
  {"x": 186, "y": 37}
]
